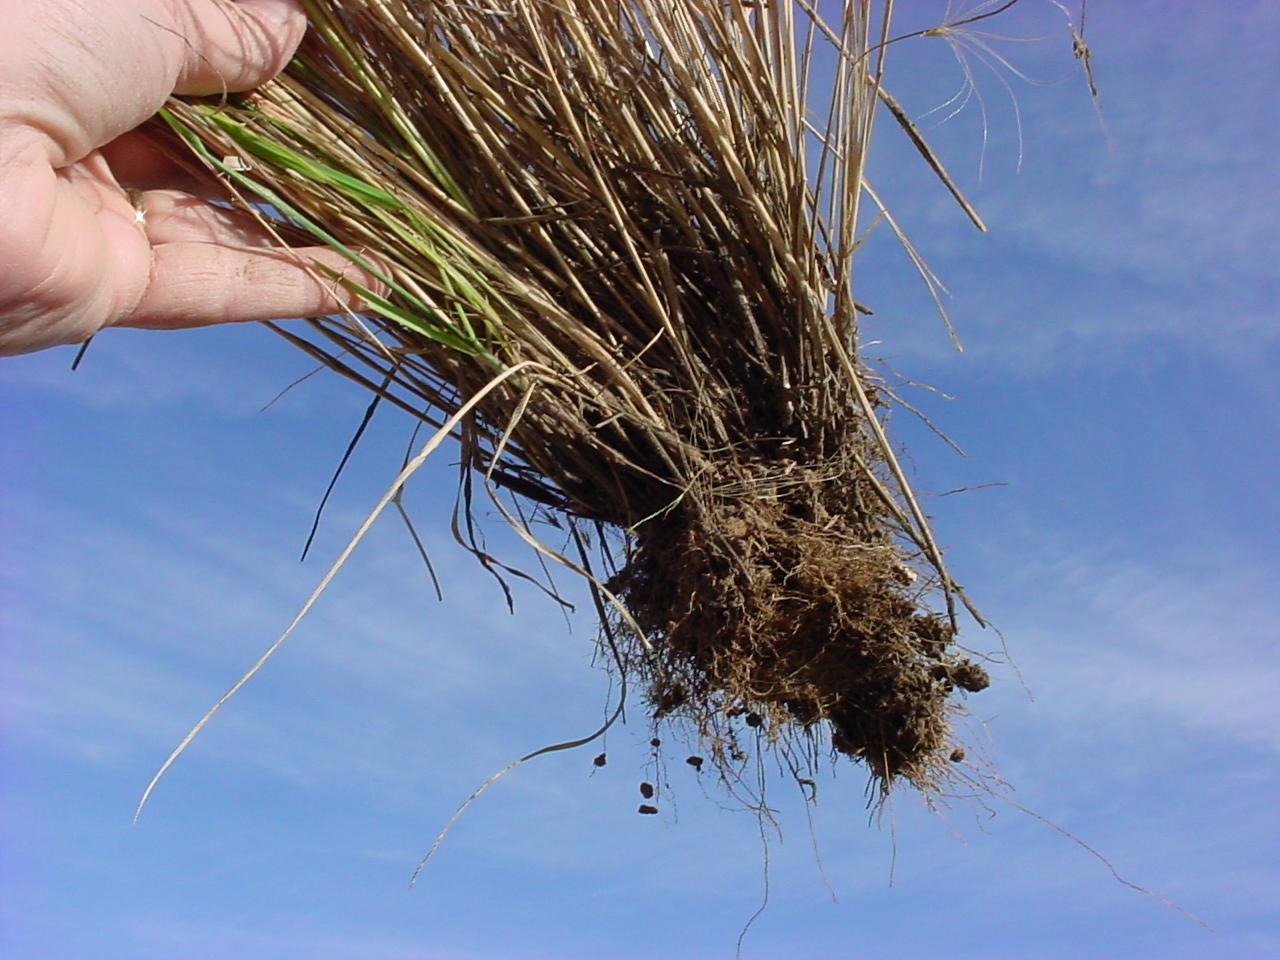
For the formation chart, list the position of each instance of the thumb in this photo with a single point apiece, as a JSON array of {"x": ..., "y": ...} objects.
[{"x": 237, "y": 44}]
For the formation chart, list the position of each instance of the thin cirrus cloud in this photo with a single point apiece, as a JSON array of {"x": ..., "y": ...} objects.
[
  {"x": 1157, "y": 222},
  {"x": 1140, "y": 644},
  {"x": 382, "y": 691}
]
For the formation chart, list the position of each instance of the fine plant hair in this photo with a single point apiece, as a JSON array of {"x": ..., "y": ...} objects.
[{"x": 632, "y": 225}]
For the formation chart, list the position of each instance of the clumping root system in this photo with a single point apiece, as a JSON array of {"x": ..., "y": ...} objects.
[{"x": 794, "y": 610}]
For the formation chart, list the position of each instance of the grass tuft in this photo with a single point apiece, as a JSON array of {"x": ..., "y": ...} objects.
[{"x": 652, "y": 209}]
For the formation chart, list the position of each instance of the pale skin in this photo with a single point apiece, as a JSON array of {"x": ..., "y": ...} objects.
[{"x": 97, "y": 228}]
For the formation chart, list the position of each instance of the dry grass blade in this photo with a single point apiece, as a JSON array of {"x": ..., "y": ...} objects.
[
  {"x": 636, "y": 197},
  {"x": 390, "y": 496}
]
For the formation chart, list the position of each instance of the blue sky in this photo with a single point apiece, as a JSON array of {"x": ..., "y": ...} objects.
[{"x": 1120, "y": 379}]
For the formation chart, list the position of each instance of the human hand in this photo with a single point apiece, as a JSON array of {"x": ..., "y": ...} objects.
[{"x": 97, "y": 227}]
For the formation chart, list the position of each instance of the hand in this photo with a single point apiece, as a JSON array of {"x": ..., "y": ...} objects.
[{"x": 97, "y": 227}]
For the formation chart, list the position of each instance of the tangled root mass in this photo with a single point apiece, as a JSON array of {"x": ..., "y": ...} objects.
[{"x": 793, "y": 608}]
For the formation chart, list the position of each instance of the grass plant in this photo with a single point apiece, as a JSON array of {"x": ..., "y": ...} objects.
[{"x": 632, "y": 225}]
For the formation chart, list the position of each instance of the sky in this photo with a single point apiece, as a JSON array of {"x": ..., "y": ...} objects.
[{"x": 1118, "y": 403}]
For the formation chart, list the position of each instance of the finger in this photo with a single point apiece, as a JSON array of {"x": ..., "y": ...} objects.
[
  {"x": 237, "y": 45},
  {"x": 138, "y": 160},
  {"x": 197, "y": 284},
  {"x": 173, "y": 216}
]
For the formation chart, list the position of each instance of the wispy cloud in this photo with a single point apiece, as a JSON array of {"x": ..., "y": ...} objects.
[
  {"x": 1107, "y": 642},
  {"x": 228, "y": 371},
  {"x": 122, "y": 650},
  {"x": 1168, "y": 235}
]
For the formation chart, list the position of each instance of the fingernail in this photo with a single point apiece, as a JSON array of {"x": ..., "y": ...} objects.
[{"x": 277, "y": 11}]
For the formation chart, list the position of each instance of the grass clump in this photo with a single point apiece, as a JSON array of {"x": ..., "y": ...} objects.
[{"x": 643, "y": 216}]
